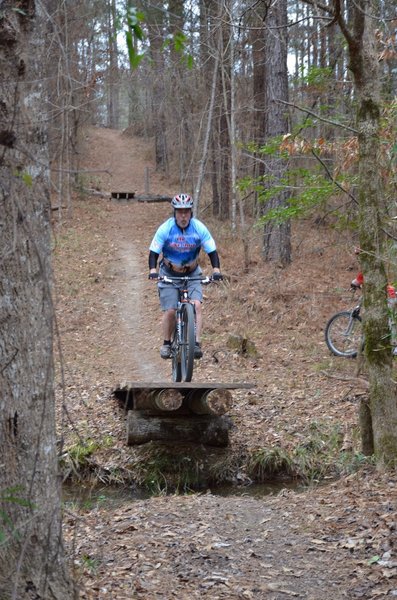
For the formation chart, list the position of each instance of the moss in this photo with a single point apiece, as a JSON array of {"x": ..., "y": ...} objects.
[{"x": 386, "y": 450}]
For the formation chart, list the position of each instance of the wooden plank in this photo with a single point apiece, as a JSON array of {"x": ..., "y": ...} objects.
[{"x": 190, "y": 385}]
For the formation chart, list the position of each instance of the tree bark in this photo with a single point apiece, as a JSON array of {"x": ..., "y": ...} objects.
[
  {"x": 32, "y": 562},
  {"x": 358, "y": 28},
  {"x": 156, "y": 37},
  {"x": 112, "y": 75},
  {"x": 361, "y": 38},
  {"x": 276, "y": 236},
  {"x": 367, "y": 434},
  {"x": 207, "y": 430}
]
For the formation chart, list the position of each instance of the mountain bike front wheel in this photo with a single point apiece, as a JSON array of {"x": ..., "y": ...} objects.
[
  {"x": 176, "y": 358},
  {"x": 344, "y": 334},
  {"x": 188, "y": 340}
]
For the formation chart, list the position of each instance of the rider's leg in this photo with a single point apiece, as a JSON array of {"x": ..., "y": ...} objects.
[{"x": 168, "y": 323}]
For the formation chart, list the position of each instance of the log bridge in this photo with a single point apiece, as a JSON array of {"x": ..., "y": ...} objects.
[{"x": 178, "y": 412}]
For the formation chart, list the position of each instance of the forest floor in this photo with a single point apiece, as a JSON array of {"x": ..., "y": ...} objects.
[{"x": 333, "y": 538}]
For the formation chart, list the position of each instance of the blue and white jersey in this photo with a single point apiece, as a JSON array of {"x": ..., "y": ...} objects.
[{"x": 182, "y": 246}]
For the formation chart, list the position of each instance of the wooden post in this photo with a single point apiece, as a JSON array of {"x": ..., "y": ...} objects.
[
  {"x": 208, "y": 430},
  {"x": 161, "y": 399},
  {"x": 211, "y": 402}
]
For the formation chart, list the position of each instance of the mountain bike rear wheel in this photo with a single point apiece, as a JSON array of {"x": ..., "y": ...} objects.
[
  {"x": 188, "y": 340},
  {"x": 344, "y": 334}
]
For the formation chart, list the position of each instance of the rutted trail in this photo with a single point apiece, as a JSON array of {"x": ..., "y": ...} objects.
[{"x": 131, "y": 227}]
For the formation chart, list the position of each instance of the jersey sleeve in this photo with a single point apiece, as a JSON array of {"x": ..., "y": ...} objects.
[
  {"x": 160, "y": 238},
  {"x": 207, "y": 241}
]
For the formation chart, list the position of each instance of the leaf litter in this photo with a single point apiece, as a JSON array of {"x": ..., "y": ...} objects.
[{"x": 330, "y": 541}]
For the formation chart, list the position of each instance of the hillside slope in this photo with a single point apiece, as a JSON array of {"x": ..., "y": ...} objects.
[{"x": 301, "y": 416}]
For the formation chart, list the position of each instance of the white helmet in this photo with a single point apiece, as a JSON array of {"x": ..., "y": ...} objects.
[{"x": 182, "y": 201}]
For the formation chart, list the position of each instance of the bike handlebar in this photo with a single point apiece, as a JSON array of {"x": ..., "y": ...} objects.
[{"x": 205, "y": 281}]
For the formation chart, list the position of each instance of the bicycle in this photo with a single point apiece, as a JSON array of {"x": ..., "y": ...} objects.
[
  {"x": 344, "y": 332},
  {"x": 184, "y": 336}
]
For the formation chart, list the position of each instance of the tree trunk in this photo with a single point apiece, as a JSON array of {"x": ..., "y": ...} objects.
[
  {"x": 221, "y": 129},
  {"x": 367, "y": 434},
  {"x": 276, "y": 237},
  {"x": 32, "y": 563},
  {"x": 112, "y": 76},
  {"x": 156, "y": 37},
  {"x": 365, "y": 67}
]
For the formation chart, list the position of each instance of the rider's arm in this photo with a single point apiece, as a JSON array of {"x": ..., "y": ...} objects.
[
  {"x": 153, "y": 258},
  {"x": 214, "y": 258},
  {"x": 216, "y": 265}
]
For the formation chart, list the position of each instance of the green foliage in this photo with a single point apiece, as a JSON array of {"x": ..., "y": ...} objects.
[
  {"x": 321, "y": 455},
  {"x": 77, "y": 456},
  {"x": 273, "y": 147},
  {"x": 315, "y": 76},
  {"x": 20, "y": 11},
  {"x": 312, "y": 192},
  {"x": 90, "y": 563},
  {"x": 82, "y": 450},
  {"x": 162, "y": 469},
  {"x": 26, "y": 178},
  {"x": 11, "y": 495},
  {"x": 134, "y": 32},
  {"x": 266, "y": 463},
  {"x": 179, "y": 42}
]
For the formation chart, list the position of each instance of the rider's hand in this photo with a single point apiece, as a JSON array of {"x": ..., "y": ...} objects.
[
  {"x": 217, "y": 276},
  {"x": 153, "y": 275}
]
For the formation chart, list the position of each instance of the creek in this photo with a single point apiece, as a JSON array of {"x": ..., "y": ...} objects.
[{"x": 88, "y": 497}]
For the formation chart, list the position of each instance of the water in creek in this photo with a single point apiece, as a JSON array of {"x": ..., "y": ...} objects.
[{"x": 89, "y": 497}]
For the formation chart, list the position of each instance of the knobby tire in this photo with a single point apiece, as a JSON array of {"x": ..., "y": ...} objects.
[
  {"x": 188, "y": 340},
  {"x": 344, "y": 334},
  {"x": 176, "y": 358}
]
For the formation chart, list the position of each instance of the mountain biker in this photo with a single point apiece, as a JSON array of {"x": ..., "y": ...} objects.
[
  {"x": 358, "y": 282},
  {"x": 179, "y": 239}
]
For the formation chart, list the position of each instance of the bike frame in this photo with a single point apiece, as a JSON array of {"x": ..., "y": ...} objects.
[{"x": 183, "y": 342}]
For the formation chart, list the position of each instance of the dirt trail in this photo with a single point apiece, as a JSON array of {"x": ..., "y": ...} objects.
[
  {"x": 133, "y": 225},
  {"x": 308, "y": 545}
]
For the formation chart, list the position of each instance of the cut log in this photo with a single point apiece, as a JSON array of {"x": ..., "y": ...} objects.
[
  {"x": 166, "y": 400},
  {"x": 122, "y": 195},
  {"x": 153, "y": 198},
  {"x": 127, "y": 391},
  {"x": 211, "y": 402},
  {"x": 207, "y": 430}
]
